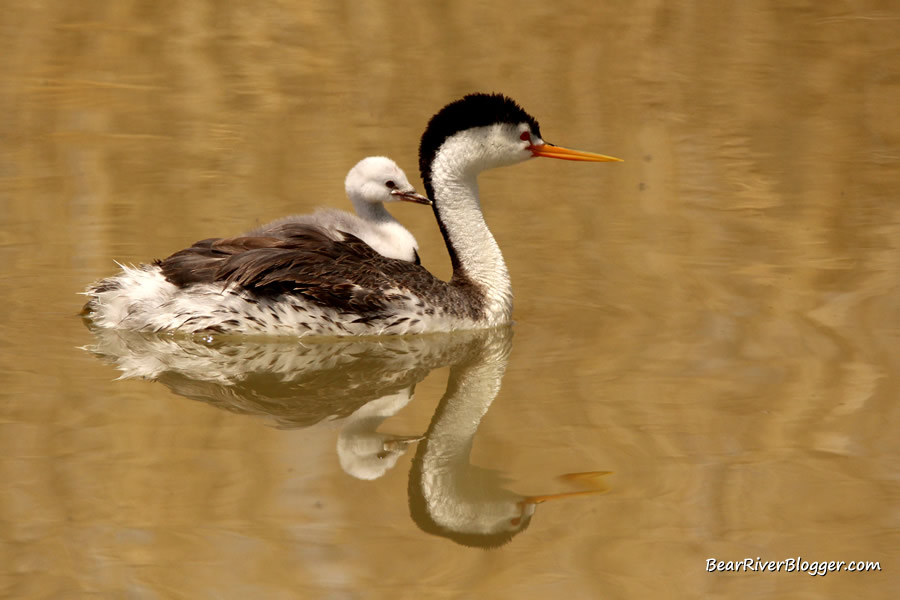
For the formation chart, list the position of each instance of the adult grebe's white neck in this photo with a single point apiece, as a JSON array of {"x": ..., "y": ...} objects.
[{"x": 453, "y": 183}]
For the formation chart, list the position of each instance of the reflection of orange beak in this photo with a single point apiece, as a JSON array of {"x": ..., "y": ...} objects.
[
  {"x": 546, "y": 497},
  {"x": 590, "y": 480},
  {"x": 586, "y": 478},
  {"x": 551, "y": 151}
]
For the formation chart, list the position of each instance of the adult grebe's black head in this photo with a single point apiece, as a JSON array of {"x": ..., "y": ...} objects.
[
  {"x": 474, "y": 110},
  {"x": 483, "y": 131}
]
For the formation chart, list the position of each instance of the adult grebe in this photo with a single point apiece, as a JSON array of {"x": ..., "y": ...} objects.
[
  {"x": 310, "y": 284},
  {"x": 369, "y": 184}
]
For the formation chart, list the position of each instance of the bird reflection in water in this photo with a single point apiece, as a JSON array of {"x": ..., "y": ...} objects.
[
  {"x": 365, "y": 452},
  {"x": 452, "y": 498},
  {"x": 360, "y": 383}
]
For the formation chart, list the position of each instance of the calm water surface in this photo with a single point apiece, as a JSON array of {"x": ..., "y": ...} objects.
[{"x": 714, "y": 321}]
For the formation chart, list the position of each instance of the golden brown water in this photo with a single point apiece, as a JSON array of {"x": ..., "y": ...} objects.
[{"x": 714, "y": 320}]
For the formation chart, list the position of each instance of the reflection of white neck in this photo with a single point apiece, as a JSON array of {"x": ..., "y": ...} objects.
[
  {"x": 460, "y": 497},
  {"x": 363, "y": 452}
]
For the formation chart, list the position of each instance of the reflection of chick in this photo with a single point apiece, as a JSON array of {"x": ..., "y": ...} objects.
[{"x": 364, "y": 452}]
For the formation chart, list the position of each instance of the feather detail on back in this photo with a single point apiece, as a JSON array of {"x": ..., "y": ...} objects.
[
  {"x": 347, "y": 275},
  {"x": 302, "y": 282}
]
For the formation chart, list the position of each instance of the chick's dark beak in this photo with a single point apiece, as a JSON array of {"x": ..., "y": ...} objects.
[{"x": 410, "y": 197}]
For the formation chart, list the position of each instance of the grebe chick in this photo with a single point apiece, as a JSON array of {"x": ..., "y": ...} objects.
[{"x": 372, "y": 182}]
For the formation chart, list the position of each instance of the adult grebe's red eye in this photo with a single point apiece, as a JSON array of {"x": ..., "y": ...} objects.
[{"x": 525, "y": 136}]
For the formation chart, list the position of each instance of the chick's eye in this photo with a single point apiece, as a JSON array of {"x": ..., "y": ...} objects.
[
  {"x": 390, "y": 184},
  {"x": 525, "y": 136}
]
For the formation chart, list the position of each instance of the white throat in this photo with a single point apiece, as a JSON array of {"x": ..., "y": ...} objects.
[
  {"x": 383, "y": 231},
  {"x": 454, "y": 173},
  {"x": 373, "y": 212}
]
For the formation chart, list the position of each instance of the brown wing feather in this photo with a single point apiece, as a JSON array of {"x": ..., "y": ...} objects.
[
  {"x": 199, "y": 263},
  {"x": 347, "y": 275}
]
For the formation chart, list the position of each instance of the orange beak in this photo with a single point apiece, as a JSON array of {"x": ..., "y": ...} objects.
[{"x": 551, "y": 151}]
